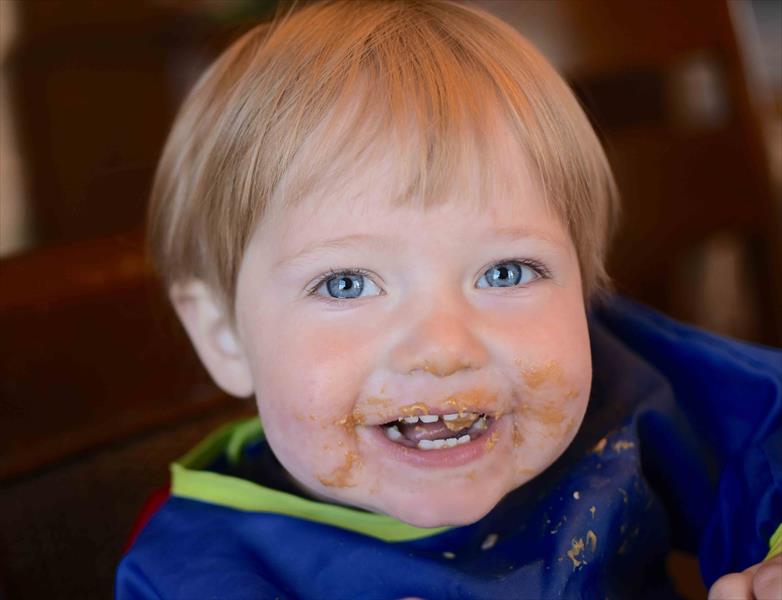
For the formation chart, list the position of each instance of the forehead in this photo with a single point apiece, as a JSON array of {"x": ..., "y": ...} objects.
[
  {"x": 362, "y": 216},
  {"x": 347, "y": 177}
]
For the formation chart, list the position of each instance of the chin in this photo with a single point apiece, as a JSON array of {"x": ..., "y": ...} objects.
[{"x": 447, "y": 513}]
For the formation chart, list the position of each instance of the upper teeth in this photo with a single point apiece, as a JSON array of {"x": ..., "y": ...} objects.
[{"x": 434, "y": 418}]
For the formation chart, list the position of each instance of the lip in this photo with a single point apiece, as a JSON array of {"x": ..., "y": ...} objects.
[{"x": 436, "y": 459}]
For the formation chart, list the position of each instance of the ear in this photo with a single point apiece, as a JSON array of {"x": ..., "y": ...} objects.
[{"x": 213, "y": 336}]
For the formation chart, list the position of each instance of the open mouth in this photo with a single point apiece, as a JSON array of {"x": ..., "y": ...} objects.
[{"x": 435, "y": 432}]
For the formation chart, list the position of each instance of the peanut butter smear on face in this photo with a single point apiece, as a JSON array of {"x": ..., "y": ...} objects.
[
  {"x": 516, "y": 435},
  {"x": 379, "y": 408},
  {"x": 376, "y": 401},
  {"x": 547, "y": 414},
  {"x": 535, "y": 377},
  {"x": 470, "y": 401},
  {"x": 340, "y": 477},
  {"x": 414, "y": 410},
  {"x": 351, "y": 421},
  {"x": 490, "y": 443}
]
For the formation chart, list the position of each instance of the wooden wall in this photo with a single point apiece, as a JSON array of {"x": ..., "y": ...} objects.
[{"x": 99, "y": 388}]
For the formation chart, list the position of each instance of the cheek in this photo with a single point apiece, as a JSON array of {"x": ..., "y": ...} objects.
[
  {"x": 552, "y": 372},
  {"x": 307, "y": 385},
  {"x": 549, "y": 343},
  {"x": 318, "y": 346},
  {"x": 311, "y": 366}
]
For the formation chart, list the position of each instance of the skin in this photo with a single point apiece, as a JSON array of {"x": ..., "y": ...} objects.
[
  {"x": 423, "y": 338},
  {"x": 762, "y": 581}
]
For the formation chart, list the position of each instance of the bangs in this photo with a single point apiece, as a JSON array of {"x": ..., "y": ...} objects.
[
  {"x": 436, "y": 93},
  {"x": 421, "y": 157},
  {"x": 412, "y": 83}
]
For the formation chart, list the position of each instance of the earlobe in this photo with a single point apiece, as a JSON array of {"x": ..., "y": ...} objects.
[{"x": 213, "y": 336}]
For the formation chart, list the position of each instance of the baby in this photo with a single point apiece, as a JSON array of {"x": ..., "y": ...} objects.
[{"x": 387, "y": 223}]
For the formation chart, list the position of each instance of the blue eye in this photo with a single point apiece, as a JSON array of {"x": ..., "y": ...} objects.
[
  {"x": 344, "y": 285},
  {"x": 349, "y": 285},
  {"x": 510, "y": 273}
]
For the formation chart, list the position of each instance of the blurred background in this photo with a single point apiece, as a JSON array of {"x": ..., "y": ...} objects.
[{"x": 99, "y": 389}]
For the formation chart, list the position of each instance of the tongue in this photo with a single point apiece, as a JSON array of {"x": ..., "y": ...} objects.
[{"x": 416, "y": 432}]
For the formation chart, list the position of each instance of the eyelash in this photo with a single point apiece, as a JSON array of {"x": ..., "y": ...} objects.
[
  {"x": 333, "y": 273},
  {"x": 538, "y": 267}
]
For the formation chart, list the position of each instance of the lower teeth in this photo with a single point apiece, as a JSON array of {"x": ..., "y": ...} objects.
[
  {"x": 438, "y": 444},
  {"x": 477, "y": 429}
]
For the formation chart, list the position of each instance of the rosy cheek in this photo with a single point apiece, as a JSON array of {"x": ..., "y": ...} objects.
[
  {"x": 551, "y": 404},
  {"x": 329, "y": 344},
  {"x": 316, "y": 451},
  {"x": 307, "y": 410},
  {"x": 342, "y": 459}
]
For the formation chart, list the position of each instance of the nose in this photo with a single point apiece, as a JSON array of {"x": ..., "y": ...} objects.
[{"x": 440, "y": 341}]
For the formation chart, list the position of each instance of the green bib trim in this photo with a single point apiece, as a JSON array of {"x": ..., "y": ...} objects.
[
  {"x": 775, "y": 543},
  {"x": 189, "y": 480}
]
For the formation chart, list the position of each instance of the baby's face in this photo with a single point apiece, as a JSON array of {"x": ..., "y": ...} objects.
[{"x": 417, "y": 363}]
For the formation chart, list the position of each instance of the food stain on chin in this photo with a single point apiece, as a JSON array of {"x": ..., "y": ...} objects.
[
  {"x": 492, "y": 441},
  {"x": 340, "y": 477},
  {"x": 516, "y": 435}
]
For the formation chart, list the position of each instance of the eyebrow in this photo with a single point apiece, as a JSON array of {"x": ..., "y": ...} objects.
[
  {"x": 387, "y": 242},
  {"x": 342, "y": 243},
  {"x": 519, "y": 233}
]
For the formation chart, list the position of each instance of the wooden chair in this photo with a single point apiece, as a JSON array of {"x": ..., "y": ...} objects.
[
  {"x": 671, "y": 91},
  {"x": 99, "y": 390}
]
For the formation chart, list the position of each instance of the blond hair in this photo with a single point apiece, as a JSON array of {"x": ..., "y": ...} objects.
[{"x": 351, "y": 78}]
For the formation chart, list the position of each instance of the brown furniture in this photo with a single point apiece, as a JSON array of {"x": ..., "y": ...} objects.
[
  {"x": 672, "y": 93},
  {"x": 99, "y": 391}
]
